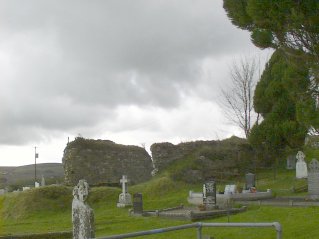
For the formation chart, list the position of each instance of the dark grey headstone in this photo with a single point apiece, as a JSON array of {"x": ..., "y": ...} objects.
[
  {"x": 137, "y": 203},
  {"x": 250, "y": 180},
  {"x": 209, "y": 194},
  {"x": 313, "y": 179},
  {"x": 291, "y": 162}
]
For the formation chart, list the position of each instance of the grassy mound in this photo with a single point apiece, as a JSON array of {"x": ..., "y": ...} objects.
[
  {"x": 49, "y": 200},
  {"x": 25, "y": 204}
]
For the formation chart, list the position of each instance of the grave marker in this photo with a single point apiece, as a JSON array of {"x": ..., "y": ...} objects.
[
  {"x": 313, "y": 179},
  {"x": 25, "y": 188},
  {"x": 42, "y": 181},
  {"x": 230, "y": 189},
  {"x": 250, "y": 180},
  {"x": 82, "y": 214},
  {"x": 291, "y": 162},
  {"x": 125, "y": 198},
  {"x": 209, "y": 195},
  {"x": 138, "y": 203},
  {"x": 301, "y": 166}
]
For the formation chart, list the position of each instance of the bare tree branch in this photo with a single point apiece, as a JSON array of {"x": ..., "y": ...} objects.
[{"x": 237, "y": 99}]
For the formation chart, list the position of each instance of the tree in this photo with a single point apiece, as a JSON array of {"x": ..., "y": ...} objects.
[
  {"x": 237, "y": 99},
  {"x": 291, "y": 25},
  {"x": 282, "y": 87}
]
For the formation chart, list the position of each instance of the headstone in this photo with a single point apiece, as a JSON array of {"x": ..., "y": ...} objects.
[
  {"x": 230, "y": 189},
  {"x": 291, "y": 162},
  {"x": 82, "y": 214},
  {"x": 42, "y": 181},
  {"x": 250, "y": 180},
  {"x": 301, "y": 166},
  {"x": 138, "y": 203},
  {"x": 25, "y": 188},
  {"x": 313, "y": 179},
  {"x": 125, "y": 198},
  {"x": 209, "y": 195},
  {"x": 36, "y": 184}
]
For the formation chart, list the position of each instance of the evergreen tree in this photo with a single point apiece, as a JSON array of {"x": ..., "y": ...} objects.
[
  {"x": 280, "y": 91},
  {"x": 290, "y": 25},
  {"x": 288, "y": 92}
]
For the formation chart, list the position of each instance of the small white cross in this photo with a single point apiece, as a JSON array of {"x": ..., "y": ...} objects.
[{"x": 124, "y": 180}]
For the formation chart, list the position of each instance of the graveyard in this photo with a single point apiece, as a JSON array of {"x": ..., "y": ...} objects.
[
  {"x": 242, "y": 190},
  {"x": 48, "y": 209},
  {"x": 214, "y": 107}
]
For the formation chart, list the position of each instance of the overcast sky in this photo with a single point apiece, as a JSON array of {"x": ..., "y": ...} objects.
[{"x": 134, "y": 72}]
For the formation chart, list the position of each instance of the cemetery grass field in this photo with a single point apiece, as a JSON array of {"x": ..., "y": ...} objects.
[{"x": 48, "y": 209}]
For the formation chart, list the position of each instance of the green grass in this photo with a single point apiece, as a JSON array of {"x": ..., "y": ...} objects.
[{"x": 48, "y": 209}]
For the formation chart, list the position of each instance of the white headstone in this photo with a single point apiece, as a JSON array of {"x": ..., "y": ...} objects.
[
  {"x": 301, "y": 166},
  {"x": 82, "y": 214},
  {"x": 25, "y": 188},
  {"x": 42, "y": 181},
  {"x": 230, "y": 189},
  {"x": 36, "y": 184},
  {"x": 125, "y": 198}
]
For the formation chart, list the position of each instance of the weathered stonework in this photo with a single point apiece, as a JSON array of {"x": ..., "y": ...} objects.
[
  {"x": 103, "y": 162},
  {"x": 200, "y": 160},
  {"x": 82, "y": 214}
]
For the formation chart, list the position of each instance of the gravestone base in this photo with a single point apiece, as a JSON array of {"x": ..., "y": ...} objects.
[
  {"x": 125, "y": 200},
  {"x": 192, "y": 214},
  {"x": 313, "y": 197},
  {"x": 211, "y": 207}
]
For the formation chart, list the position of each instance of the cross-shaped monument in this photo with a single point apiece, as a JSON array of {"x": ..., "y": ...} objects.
[
  {"x": 125, "y": 198},
  {"x": 124, "y": 180}
]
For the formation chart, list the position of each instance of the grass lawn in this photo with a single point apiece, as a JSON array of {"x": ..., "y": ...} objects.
[{"x": 49, "y": 209}]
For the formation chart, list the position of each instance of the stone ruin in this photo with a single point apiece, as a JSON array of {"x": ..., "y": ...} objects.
[
  {"x": 82, "y": 214},
  {"x": 103, "y": 162}
]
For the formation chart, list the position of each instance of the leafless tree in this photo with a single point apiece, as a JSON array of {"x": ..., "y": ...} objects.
[{"x": 237, "y": 98}]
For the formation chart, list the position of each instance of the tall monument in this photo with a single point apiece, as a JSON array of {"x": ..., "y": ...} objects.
[{"x": 82, "y": 214}]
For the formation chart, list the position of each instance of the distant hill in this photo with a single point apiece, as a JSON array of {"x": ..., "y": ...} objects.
[{"x": 24, "y": 175}]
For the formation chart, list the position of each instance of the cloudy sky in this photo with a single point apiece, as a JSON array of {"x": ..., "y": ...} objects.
[{"x": 134, "y": 72}]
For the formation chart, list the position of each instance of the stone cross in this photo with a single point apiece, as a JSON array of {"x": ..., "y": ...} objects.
[
  {"x": 124, "y": 180},
  {"x": 125, "y": 198},
  {"x": 82, "y": 214}
]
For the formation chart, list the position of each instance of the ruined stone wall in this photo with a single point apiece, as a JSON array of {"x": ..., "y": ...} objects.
[
  {"x": 164, "y": 154},
  {"x": 103, "y": 162},
  {"x": 199, "y": 160}
]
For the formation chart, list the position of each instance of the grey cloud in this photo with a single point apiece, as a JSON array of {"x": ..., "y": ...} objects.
[{"x": 98, "y": 55}]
